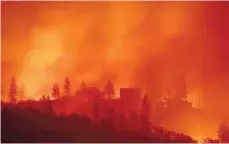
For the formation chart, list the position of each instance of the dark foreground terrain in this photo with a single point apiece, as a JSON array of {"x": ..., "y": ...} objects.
[{"x": 29, "y": 125}]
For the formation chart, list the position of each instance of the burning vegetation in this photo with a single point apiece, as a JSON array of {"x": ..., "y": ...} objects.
[{"x": 132, "y": 66}]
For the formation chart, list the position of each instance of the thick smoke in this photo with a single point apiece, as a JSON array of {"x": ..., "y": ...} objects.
[{"x": 134, "y": 44}]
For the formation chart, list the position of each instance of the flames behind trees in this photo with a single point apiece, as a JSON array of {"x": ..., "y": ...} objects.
[{"x": 134, "y": 44}]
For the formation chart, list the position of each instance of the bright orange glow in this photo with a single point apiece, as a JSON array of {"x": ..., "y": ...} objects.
[
  {"x": 133, "y": 44},
  {"x": 46, "y": 50},
  {"x": 195, "y": 96}
]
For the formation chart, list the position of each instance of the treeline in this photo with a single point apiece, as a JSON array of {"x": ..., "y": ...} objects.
[
  {"x": 16, "y": 94},
  {"x": 29, "y": 125}
]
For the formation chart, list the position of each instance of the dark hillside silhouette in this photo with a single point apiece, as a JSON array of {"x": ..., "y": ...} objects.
[
  {"x": 92, "y": 115},
  {"x": 29, "y": 125}
]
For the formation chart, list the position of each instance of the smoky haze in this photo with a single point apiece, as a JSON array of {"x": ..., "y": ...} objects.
[{"x": 134, "y": 44}]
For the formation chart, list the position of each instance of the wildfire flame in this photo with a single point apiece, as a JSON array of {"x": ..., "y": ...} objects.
[
  {"x": 47, "y": 49},
  {"x": 97, "y": 42}
]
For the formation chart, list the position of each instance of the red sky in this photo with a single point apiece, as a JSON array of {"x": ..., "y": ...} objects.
[
  {"x": 137, "y": 44},
  {"x": 86, "y": 38}
]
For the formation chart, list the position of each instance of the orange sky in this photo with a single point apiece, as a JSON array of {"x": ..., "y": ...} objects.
[
  {"x": 132, "y": 43},
  {"x": 43, "y": 42}
]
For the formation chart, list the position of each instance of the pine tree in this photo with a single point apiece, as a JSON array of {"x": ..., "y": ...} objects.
[
  {"x": 13, "y": 91},
  {"x": 145, "y": 116},
  {"x": 43, "y": 97},
  {"x": 109, "y": 89},
  {"x": 56, "y": 91},
  {"x": 223, "y": 133},
  {"x": 48, "y": 97},
  {"x": 67, "y": 87}
]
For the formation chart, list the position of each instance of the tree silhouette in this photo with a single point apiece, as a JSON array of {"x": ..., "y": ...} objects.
[
  {"x": 55, "y": 91},
  {"x": 223, "y": 133},
  {"x": 145, "y": 116},
  {"x": 109, "y": 89},
  {"x": 82, "y": 86},
  {"x": 67, "y": 87},
  {"x": 48, "y": 97},
  {"x": 13, "y": 91},
  {"x": 43, "y": 97}
]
